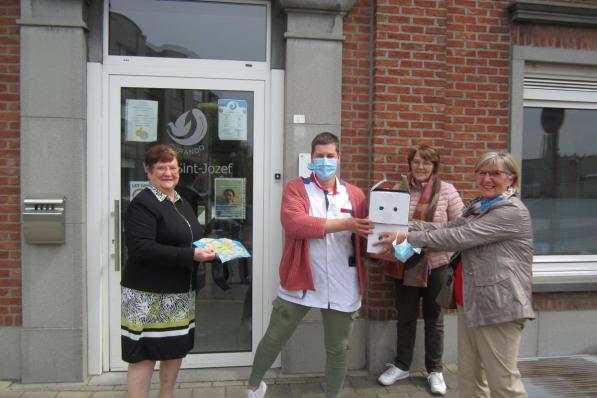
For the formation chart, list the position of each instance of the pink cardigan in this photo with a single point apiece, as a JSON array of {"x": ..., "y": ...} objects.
[
  {"x": 449, "y": 208},
  {"x": 299, "y": 227}
]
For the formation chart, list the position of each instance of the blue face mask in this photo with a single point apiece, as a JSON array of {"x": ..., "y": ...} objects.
[
  {"x": 323, "y": 168},
  {"x": 403, "y": 251}
]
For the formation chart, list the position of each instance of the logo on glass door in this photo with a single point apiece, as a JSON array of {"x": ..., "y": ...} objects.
[{"x": 189, "y": 128}]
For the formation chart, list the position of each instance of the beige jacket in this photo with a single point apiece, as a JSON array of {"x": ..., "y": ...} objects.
[{"x": 497, "y": 257}]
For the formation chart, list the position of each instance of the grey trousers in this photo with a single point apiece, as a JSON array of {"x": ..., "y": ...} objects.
[{"x": 337, "y": 327}]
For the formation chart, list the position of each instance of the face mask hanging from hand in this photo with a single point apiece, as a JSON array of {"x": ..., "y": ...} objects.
[
  {"x": 323, "y": 168},
  {"x": 403, "y": 251}
]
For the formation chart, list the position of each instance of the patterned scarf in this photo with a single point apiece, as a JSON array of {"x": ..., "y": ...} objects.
[{"x": 480, "y": 205}]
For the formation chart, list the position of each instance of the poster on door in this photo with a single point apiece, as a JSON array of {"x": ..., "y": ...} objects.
[
  {"x": 230, "y": 198},
  {"x": 232, "y": 119},
  {"x": 141, "y": 120},
  {"x": 137, "y": 186}
]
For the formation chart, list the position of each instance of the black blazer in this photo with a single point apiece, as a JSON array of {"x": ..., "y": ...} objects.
[{"x": 159, "y": 243}]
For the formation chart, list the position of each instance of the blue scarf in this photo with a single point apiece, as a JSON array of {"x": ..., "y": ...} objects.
[{"x": 481, "y": 205}]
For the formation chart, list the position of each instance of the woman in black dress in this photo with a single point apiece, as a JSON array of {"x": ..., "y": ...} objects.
[{"x": 158, "y": 293}]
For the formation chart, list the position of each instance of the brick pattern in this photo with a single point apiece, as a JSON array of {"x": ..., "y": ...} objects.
[
  {"x": 10, "y": 254},
  {"x": 440, "y": 71},
  {"x": 557, "y": 36},
  {"x": 565, "y": 301},
  {"x": 356, "y": 94},
  {"x": 564, "y": 37}
]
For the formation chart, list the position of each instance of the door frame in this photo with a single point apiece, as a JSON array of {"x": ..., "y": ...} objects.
[{"x": 100, "y": 223}]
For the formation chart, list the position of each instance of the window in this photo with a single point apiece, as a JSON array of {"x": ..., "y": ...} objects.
[
  {"x": 554, "y": 139},
  {"x": 188, "y": 29},
  {"x": 559, "y": 177},
  {"x": 559, "y": 160}
]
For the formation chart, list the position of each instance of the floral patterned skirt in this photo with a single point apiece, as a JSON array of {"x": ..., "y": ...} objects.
[{"x": 156, "y": 326}]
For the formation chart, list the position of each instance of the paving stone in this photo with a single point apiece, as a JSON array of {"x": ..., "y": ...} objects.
[
  {"x": 88, "y": 388},
  {"x": 210, "y": 392},
  {"x": 294, "y": 380},
  {"x": 274, "y": 391},
  {"x": 108, "y": 394},
  {"x": 452, "y": 367},
  {"x": 39, "y": 394},
  {"x": 452, "y": 393},
  {"x": 199, "y": 384},
  {"x": 10, "y": 394},
  {"x": 74, "y": 394},
  {"x": 4, "y": 385},
  {"x": 403, "y": 386},
  {"x": 421, "y": 394},
  {"x": 364, "y": 386},
  {"x": 183, "y": 393},
  {"x": 303, "y": 390},
  {"x": 394, "y": 395},
  {"x": 236, "y": 391},
  {"x": 347, "y": 393}
]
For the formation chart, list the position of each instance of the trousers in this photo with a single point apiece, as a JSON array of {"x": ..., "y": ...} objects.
[
  {"x": 407, "y": 304},
  {"x": 337, "y": 327},
  {"x": 487, "y": 359}
]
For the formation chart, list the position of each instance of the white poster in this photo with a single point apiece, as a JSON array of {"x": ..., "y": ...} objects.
[
  {"x": 137, "y": 186},
  {"x": 232, "y": 119},
  {"x": 141, "y": 118}
]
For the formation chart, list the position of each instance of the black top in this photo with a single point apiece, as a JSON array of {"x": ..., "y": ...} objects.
[{"x": 159, "y": 236}]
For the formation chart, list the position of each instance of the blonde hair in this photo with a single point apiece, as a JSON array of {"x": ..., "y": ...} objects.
[{"x": 503, "y": 159}]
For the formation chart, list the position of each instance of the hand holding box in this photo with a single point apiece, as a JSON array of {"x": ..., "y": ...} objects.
[{"x": 388, "y": 210}]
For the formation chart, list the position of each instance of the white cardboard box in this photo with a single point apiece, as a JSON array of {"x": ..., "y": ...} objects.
[{"x": 388, "y": 210}]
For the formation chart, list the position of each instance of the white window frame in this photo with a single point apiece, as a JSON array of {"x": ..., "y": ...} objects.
[{"x": 544, "y": 77}]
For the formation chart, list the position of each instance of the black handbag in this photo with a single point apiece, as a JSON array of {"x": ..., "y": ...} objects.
[{"x": 445, "y": 297}]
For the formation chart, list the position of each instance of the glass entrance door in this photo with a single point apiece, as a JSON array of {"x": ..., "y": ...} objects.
[{"x": 217, "y": 127}]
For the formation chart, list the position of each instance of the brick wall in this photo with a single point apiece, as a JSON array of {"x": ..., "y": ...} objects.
[
  {"x": 440, "y": 75},
  {"x": 10, "y": 255},
  {"x": 577, "y": 38},
  {"x": 356, "y": 94}
]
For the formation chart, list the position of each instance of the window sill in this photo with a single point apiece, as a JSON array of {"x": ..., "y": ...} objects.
[{"x": 564, "y": 276}]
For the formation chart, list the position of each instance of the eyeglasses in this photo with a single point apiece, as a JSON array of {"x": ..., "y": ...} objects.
[
  {"x": 492, "y": 173},
  {"x": 164, "y": 169},
  {"x": 424, "y": 163}
]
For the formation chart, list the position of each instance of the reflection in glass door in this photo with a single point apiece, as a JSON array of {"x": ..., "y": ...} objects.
[{"x": 213, "y": 131}]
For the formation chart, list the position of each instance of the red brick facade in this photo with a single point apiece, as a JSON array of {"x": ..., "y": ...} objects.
[
  {"x": 10, "y": 253},
  {"x": 424, "y": 71},
  {"x": 440, "y": 75}
]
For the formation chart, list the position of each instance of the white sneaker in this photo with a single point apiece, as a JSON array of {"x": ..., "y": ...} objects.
[
  {"x": 392, "y": 375},
  {"x": 258, "y": 393},
  {"x": 437, "y": 385}
]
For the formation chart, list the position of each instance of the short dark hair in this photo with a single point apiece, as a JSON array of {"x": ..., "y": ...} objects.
[
  {"x": 427, "y": 153},
  {"x": 229, "y": 190},
  {"x": 325, "y": 138},
  {"x": 156, "y": 153}
]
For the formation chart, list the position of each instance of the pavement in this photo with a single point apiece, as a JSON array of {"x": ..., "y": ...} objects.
[
  {"x": 356, "y": 385},
  {"x": 554, "y": 377}
]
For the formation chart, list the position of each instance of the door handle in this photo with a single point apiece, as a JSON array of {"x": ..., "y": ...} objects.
[{"x": 116, "y": 240}]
